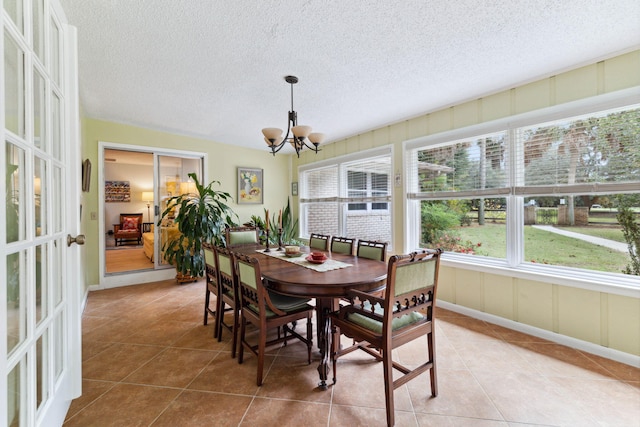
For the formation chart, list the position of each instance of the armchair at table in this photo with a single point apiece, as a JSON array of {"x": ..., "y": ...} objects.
[
  {"x": 406, "y": 312},
  {"x": 130, "y": 228}
]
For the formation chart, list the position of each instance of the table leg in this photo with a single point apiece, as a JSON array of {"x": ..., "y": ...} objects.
[{"x": 323, "y": 307}]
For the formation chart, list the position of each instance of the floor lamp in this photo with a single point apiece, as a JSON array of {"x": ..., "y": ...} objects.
[{"x": 147, "y": 196}]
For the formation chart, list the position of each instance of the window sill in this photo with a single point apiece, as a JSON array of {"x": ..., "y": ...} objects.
[{"x": 612, "y": 283}]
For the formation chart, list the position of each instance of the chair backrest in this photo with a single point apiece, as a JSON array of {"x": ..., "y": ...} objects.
[
  {"x": 319, "y": 241},
  {"x": 226, "y": 271},
  {"x": 342, "y": 245},
  {"x": 412, "y": 282},
  {"x": 131, "y": 221},
  {"x": 253, "y": 294},
  {"x": 238, "y": 236},
  {"x": 210, "y": 264},
  {"x": 372, "y": 250}
]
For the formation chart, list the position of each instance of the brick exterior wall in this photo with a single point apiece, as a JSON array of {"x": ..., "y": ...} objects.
[{"x": 369, "y": 227}]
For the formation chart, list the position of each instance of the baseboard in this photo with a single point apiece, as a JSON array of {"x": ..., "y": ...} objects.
[{"x": 598, "y": 350}]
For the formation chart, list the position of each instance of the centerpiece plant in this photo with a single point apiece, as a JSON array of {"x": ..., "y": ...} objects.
[
  {"x": 201, "y": 217},
  {"x": 289, "y": 227}
]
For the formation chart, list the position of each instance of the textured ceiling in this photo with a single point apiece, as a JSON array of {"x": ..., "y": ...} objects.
[{"x": 215, "y": 69}]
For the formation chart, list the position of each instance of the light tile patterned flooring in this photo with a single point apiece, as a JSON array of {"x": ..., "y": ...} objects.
[{"x": 149, "y": 361}]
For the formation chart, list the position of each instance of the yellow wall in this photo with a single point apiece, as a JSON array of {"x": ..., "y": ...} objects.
[
  {"x": 596, "y": 317},
  {"x": 222, "y": 161}
]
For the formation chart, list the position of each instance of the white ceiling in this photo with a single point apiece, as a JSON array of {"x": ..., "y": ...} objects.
[{"x": 215, "y": 69}]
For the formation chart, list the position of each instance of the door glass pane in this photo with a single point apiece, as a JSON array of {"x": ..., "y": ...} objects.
[
  {"x": 173, "y": 171},
  {"x": 39, "y": 110},
  {"x": 41, "y": 370},
  {"x": 58, "y": 344},
  {"x": 14, "y": 406},
  {"x": 14, "y": 8},
  {"x": 56, "y": 286},
  {"x": 14, "y": 86},
  {"x": 55, "y": 52},
  {"x": 41, "y": 282},
  {"x": 15, "y": 187},
  {"x": 38, "y": 28},
  {"x": 40, "y": 196},
  {"x": 16, "y": 299},
  {"x": 55, "y": 126},
  {"x": 57, "y": 199}
]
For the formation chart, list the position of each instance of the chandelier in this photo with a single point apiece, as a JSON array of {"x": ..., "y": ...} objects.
[{"x": 299, "y": 134}]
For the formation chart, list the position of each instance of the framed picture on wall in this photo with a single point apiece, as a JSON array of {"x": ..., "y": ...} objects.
[{"x": 250, "y": 186}]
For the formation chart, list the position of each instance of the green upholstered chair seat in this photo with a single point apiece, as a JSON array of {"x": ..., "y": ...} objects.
[
  {"x": 376, "y": 326},
  {"x": 284, "y": 303}
]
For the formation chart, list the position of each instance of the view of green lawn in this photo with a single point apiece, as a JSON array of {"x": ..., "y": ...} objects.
[{"x": 547, "y": 248}]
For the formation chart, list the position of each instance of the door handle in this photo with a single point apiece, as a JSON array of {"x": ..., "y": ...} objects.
[{"x": 79, "y": 239}]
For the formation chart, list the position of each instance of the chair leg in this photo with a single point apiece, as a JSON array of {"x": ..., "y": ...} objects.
[
  {"x": 207, "y": 296},
  {"x": 309, "y": 338},
  {"x": 234, "y": 339},
  {"x": 219, "y": 316},
  {"x": 243, "y": 325},
  {"x": 262, "y": 345},
  {"x": 388, "y": 385},
  {"x": 432, "y": 357}
]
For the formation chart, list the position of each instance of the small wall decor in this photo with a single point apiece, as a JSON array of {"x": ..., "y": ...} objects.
[
  {"x": 250, "y": 186},
  {"x": 117, "y": 191},
  {"x": 86, "y": 175}
]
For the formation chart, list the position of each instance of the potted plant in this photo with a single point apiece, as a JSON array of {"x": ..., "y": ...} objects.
[
  {"x": 289, "y": 227},
  {"x": 201, "y": 217}
]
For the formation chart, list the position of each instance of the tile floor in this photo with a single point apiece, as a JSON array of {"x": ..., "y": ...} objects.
[{"x": 149, "y": 361}]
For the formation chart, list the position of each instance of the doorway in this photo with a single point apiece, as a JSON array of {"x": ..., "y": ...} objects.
[
  {"x": 128, "y": 194},
  {"x": 136, "y": 184}
]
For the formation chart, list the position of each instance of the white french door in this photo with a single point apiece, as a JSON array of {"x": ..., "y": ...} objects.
[{"x": 39, "y": 302}]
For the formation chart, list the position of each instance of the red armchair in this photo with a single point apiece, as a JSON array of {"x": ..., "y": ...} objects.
[{"x": 130, "y": 228}]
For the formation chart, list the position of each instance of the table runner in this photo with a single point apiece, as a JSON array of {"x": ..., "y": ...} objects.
[{"x": 328, "y": 265}]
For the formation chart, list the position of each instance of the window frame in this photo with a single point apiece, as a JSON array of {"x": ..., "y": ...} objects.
[{"x": 512, "y": 266}]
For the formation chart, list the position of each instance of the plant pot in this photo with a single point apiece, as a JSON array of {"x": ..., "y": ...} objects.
[{"x": 185, "y": 278}]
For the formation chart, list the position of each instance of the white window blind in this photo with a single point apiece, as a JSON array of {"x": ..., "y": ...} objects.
[
  {"x": 350, "y": 197},
  {"x": 595, "y": 153},
  {"x": 469, "y": 167}
]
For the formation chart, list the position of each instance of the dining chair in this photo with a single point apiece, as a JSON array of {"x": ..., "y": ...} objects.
[
  {"x": 267, "y": 310},
  {"x": 342, "y": 245},
  {"x": 379, "y": 325},
  {"x": 211, "y": 277},
  {"x": 228, "y": 295},
  {"x": 319, "y": 241},
  {"x": 372, "y": 250},
  {"x": 238, "y": 236}
]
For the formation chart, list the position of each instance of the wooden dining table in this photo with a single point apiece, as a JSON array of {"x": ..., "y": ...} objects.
[{"x": 326, "y": 287}]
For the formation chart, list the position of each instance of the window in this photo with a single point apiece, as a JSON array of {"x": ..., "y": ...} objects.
[
  {"x": 524, "y": 195},
  {"x": 348, "y": 196}
]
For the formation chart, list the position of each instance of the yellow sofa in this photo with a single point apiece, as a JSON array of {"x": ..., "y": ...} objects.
[
  {"x": 167, "y": 233},
  {"x": 147, "y": 243}
]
